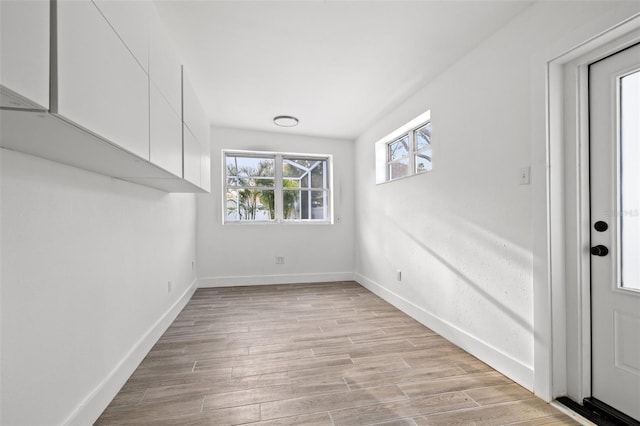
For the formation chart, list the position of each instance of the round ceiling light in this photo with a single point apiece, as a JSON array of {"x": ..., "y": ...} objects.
[{"x": 285, "y": 121}]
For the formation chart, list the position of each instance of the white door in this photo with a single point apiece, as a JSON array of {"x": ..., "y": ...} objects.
[{"x": 614, "y": 93}]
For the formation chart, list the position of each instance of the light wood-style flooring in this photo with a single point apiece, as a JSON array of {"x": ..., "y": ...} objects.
[{"x": 314, "y": 354}]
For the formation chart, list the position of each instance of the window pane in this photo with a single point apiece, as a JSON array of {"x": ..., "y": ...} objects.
[
  {"x": 629, "y": 128},
  {"x": 318, "y": 174},
  {"x": 291, "y": 168},
  {"x": 297, "y": 167},
  {"x": 423, "y": 161},
  {"x": 423, "y": 136},
  {"x": 291, "y": 183},
  {"x": 305, "y": 205},
  {"x": 319, "y": 205},
  {"x": 250, "y": 171},
  {"x": 399, "y": 148},
  {"x": 291, "y": 207},
  {"x": 399, "y": 169},
  {"x": 307, "y": 172},
  {"x": 250, "y": 205}
]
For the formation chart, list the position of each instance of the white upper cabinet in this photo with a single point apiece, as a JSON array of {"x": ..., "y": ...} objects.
[
  {"x": 101, "y": 86},
  {"x": 131, "y": 20},
  {"x": 166, "y": 133},
  {"x": 24, "y": 45},
  {"x": 196, "y": 131},
  {"x": 193, "y": 114},
  {"x": 97, "y": 84},
  {"x": 165, "y": 67},
  {"x": 192, "y": 158},
  {"x": 165, "y": 73}
]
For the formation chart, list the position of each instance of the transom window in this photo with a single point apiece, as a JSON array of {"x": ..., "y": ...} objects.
[
  {"x": 276, "y": 187},
  {"x": 405, "y": 151}
]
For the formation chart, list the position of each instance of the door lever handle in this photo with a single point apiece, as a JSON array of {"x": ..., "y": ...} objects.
[{"x": 599, "y": 250}]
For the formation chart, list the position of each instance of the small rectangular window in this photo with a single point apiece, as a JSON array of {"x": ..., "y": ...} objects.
[
  {"x": 406, "y": 151},
  {"x": 274, "y": 187}
]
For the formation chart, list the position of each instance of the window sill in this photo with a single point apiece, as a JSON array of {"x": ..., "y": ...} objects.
[
  {"x": 403, "y": 177},
  {"x": 287, "y": 223}
]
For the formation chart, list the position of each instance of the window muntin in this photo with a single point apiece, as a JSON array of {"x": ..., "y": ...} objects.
[
  {"x": 410, "y": 154},
  {"x": 422, "y": 142},
  {"x": 277, "y": 187}
]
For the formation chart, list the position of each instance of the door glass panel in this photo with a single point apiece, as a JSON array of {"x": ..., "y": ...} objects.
[{"x": 629, "y": 126}]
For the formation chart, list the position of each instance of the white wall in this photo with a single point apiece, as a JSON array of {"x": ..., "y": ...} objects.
[
  {"x": 462, "y": 234},
  {"x": 85, "y": 265},
  {"x": 240, "y": 254}
]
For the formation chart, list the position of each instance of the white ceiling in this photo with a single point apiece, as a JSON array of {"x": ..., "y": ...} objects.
[{"x": 336, "y": 65}]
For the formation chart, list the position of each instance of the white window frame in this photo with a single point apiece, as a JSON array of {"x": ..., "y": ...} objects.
[
  {"x": 279, "y": 158},
  {"x": 383, "y": 157}
]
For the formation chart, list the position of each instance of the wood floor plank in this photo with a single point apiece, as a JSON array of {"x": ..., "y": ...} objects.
[
  {"x": 317, "y": 354},
  {"x": 399, "y": 409},
  {"x": 292, "y": 365},
  {"x": 555, "y": 420},
  {"x": 268, "y": 394},
  {"x": 248, "y": 414},
  {"x": 315, "y": 419},
  {"x": 326, "y": 402},
  {"x": 492, "y": 415},
  {"x": 249, "y": 360},
  {"x": 404, "y": 375},
  {"x": 451, "y": 384},
  {"x": 149, "y": 412},
  {"x": 499, "y": 394}
]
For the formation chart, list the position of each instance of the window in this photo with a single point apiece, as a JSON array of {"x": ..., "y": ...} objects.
[
  {"x": 406, "y": 151},
  {"x": 276, "y": 187}
]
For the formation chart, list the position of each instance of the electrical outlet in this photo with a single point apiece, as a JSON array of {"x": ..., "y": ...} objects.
[
  {"x": 279, "y": 260},
  {"x": 399, "y": 275},
  {"x": 169, "y": 287}
]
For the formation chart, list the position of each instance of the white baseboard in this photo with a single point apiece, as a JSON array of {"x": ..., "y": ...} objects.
[
  {"x": 233, "y": 281},
  {"x": 95, "y": 403},
  {"x": 507, "y": 365}
]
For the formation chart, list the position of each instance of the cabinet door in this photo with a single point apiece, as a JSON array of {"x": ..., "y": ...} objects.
[
  {"x": 192, "y": 158},
  {"x": 164, "y": 65},
  {"x": 24, "y": 47},
  {"x": 100, "y": 85},
  {"x": 131, "y": 20},
  {"x": 166, "y": 133},
  {"x": 193, "y": 114}
]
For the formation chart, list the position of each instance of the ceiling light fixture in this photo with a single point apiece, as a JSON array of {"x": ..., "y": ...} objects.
[{"x": 285, "y": 121}]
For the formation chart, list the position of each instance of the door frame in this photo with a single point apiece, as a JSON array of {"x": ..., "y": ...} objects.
[{"x": 562, "y": 305}]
